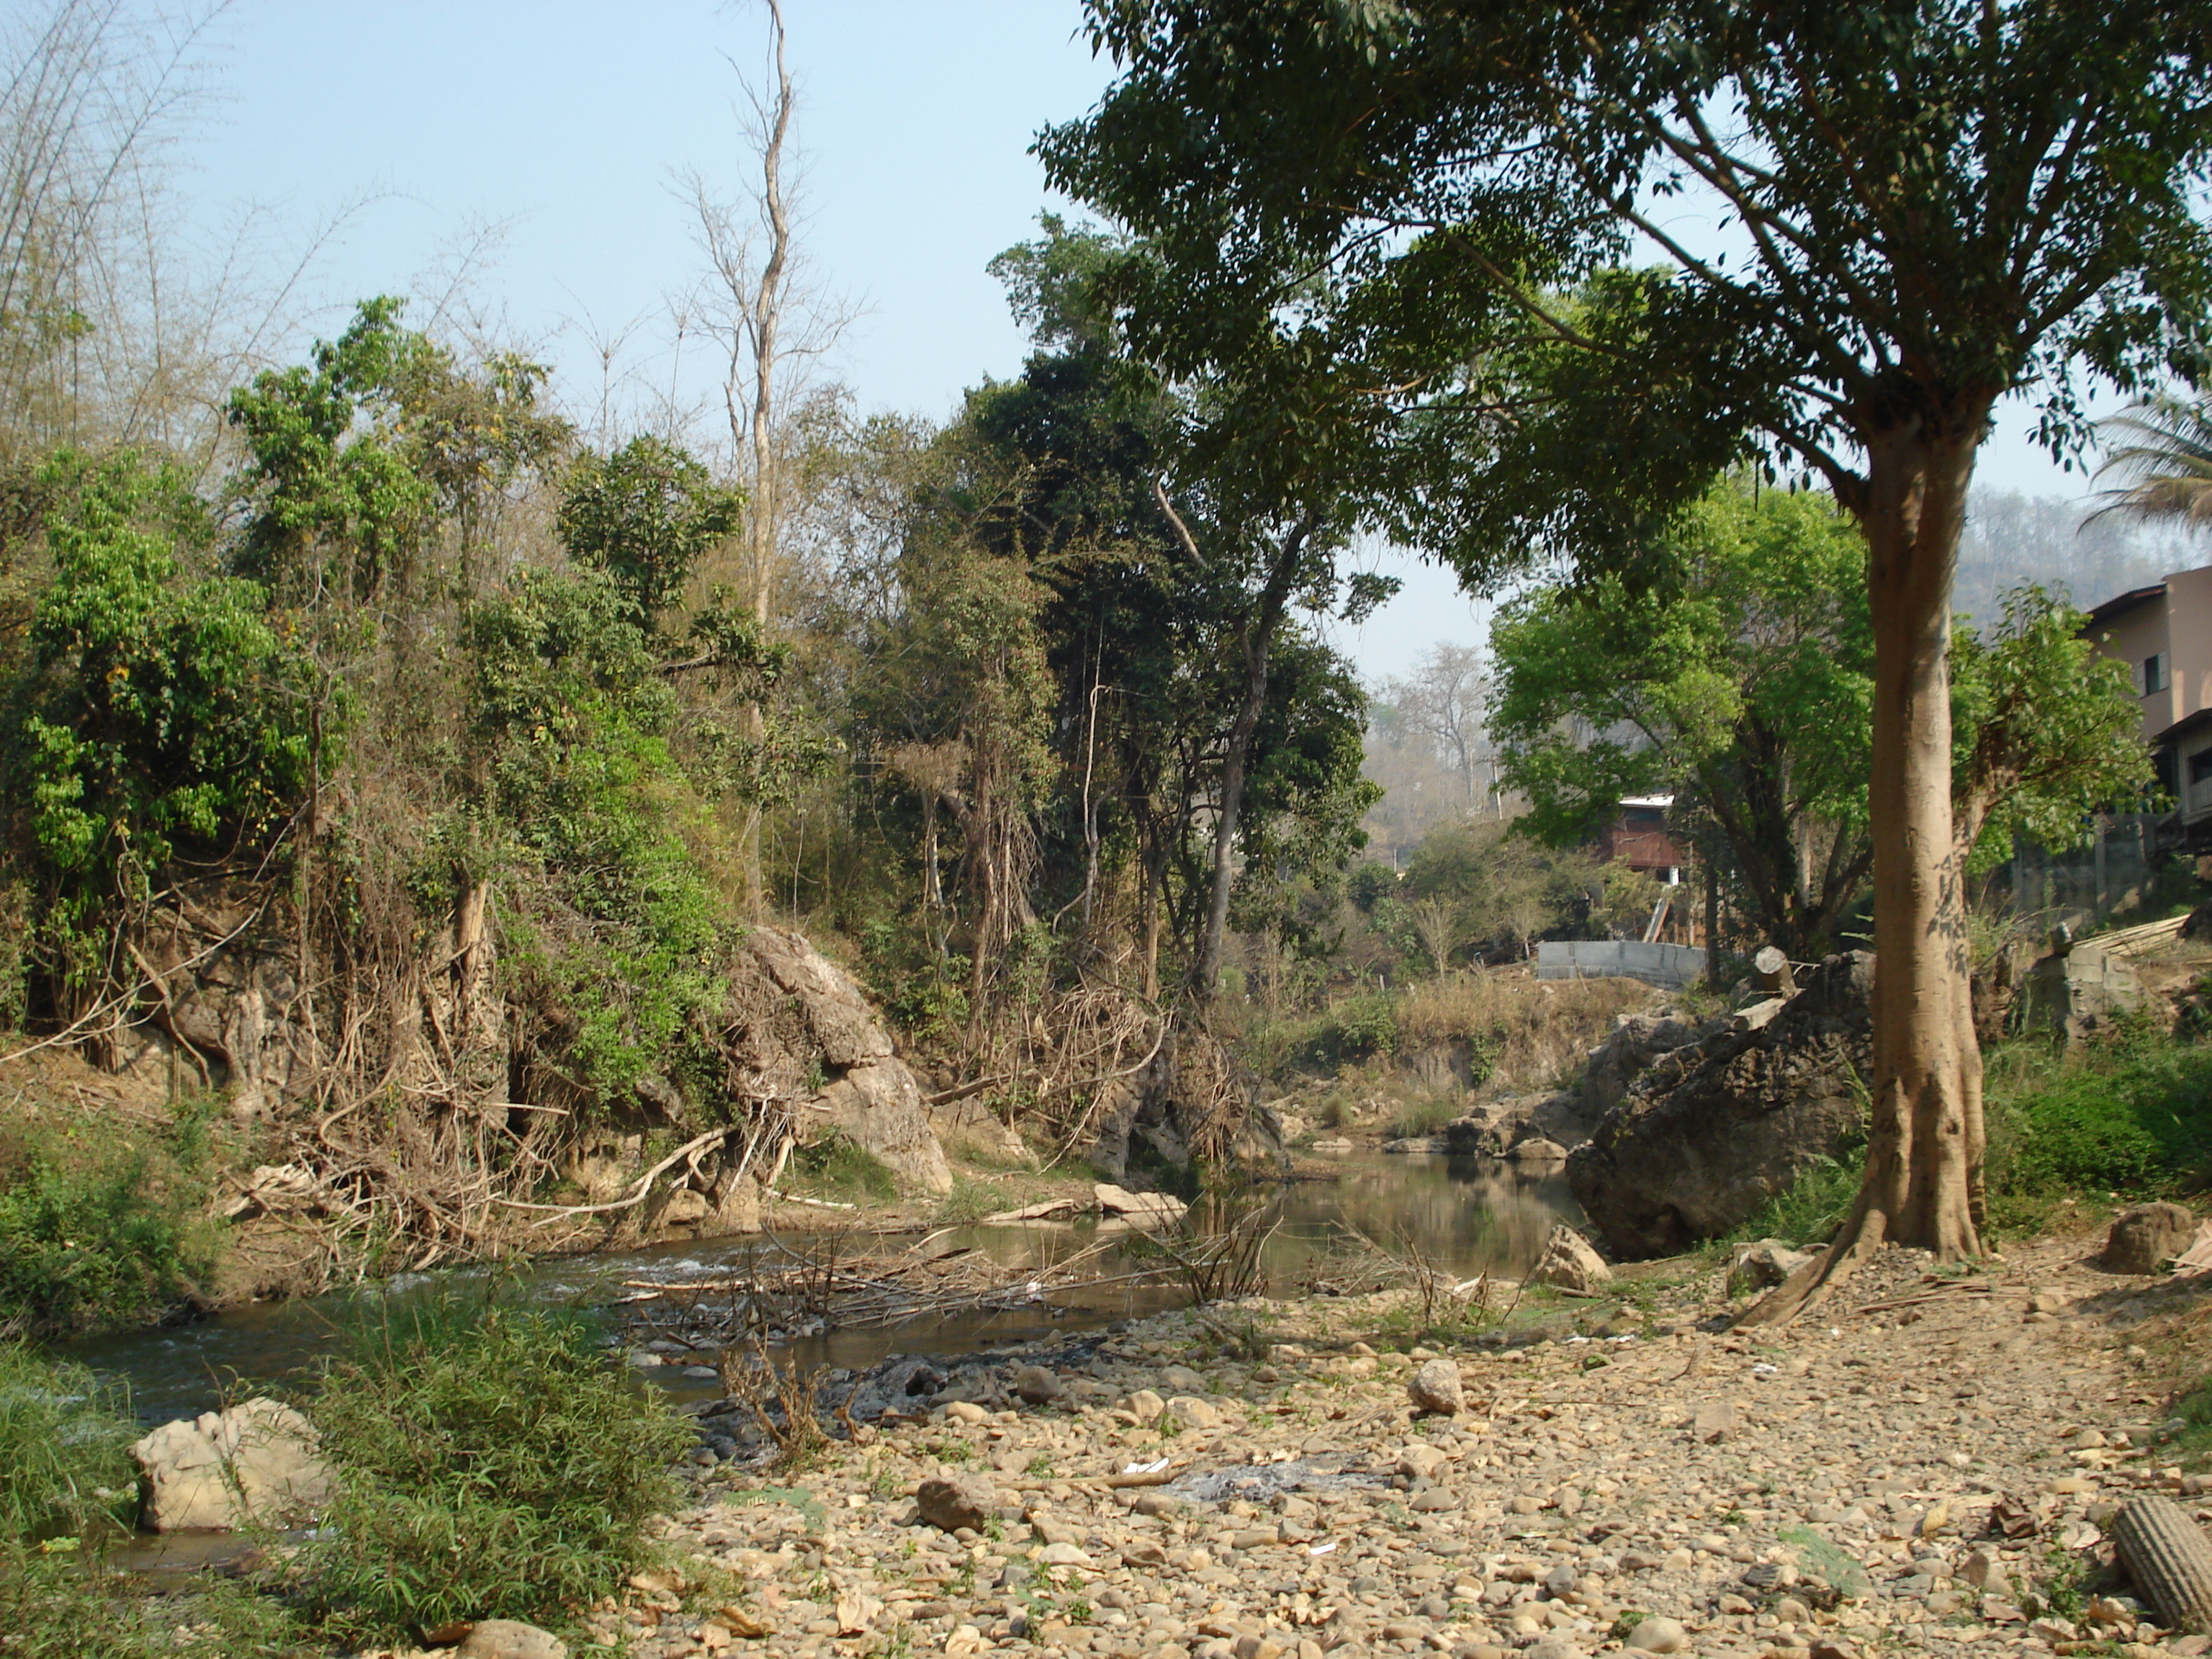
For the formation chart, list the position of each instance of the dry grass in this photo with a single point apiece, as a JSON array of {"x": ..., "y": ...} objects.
[{"x": 1530, "y": 1034}]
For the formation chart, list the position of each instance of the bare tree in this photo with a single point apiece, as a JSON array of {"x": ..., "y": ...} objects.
[
  {"x": 1445, "y": 700},
  {"x": 769, "y": 323}
]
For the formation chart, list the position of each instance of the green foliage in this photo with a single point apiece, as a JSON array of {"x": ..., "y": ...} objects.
[
  {"x": 1806, "y": 1211},
  {"x": 97, "y": 1231},
  {"x": 644, "y": 515},
  {"x": 1735, "y": 672},
  {"x": 358, "y": 460},
  {"x": 159, "y": 714},
  {"x": 491, "y": 1464},
  {"x": 2132, "y": 1116},
  {"x": 1360, "y": 1027},
  {"x": 61, "y": 1606},
  {"x": 585, "y": 789},
  {"x": 63, "y": 1438}
]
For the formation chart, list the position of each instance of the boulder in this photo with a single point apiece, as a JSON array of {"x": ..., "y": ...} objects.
[
  {"x": 508, "y": 1639},
  {"x": 1570, "y": 1263},
  {"x": 1537, "y": 1150},
  {"x": 836, "y": 1009},
  {"x": 1637, "y": 1040},
  {"x": 878, "y": 1107},
  {"x": 1700, "y": 1141},
  {"x": 2144, "y": 1239},
  {"x": 964, "y": 1500},
  {"x": 1762, "y": 1265},
  {"x": 1436, "y": 1388},
  {"x": 253, "y": 1464},
  {"x": 1036, "y": 1386},
  {"x": 1149, "y": 1208}
]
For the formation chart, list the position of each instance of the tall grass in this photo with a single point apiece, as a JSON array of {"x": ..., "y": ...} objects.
[
  {"x": 63, "y": 1439},
  {"x": 491, "y": 1464}
]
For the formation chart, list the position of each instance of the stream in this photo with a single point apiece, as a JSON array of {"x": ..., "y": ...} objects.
[{"x": 1465, "y": 1216}]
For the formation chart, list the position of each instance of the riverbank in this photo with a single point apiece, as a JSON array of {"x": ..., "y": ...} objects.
[{"x": 1927, "y": 1465}]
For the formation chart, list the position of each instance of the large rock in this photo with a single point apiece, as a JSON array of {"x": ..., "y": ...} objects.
[
  {"x": 964, "y": 1500},
  {"x": 508, "y": 1638},
  {"x": 254, "y": 1464},
  {"x": 836, "y": 1008},
  {"x": 1436, "y": 1388},
  {"x": 1147, "y": 1209},
  {"x": 878, "y": 1107},
  {"x": 1570, "y": 1263},
  {"x": 1701, "y": 1140},
  {"x": 2144, "y": 1239}
]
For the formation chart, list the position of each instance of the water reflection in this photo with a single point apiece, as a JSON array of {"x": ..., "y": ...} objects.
[{"x": 1464, "y": 1215}]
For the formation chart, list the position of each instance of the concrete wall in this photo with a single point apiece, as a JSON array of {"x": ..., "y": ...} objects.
[{"x": 1670, "y": 965}]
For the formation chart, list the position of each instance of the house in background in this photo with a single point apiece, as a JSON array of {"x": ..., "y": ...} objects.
[
  {"x": 1639, "y": 839},
  {"x": 2163, "y": 633}
]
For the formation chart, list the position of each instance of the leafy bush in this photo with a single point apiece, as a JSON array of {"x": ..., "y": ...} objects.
[
  {"x": 96, "y": 1232},
  {"x": 2132, "y": 1116},
  {"x": 1359, "y": 1027},
  {"x": 62, "y": 1435},
  {"x": 491, "y": 1464}
]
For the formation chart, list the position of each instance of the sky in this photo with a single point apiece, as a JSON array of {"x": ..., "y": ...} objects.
[{"x": 542, "y": 144}]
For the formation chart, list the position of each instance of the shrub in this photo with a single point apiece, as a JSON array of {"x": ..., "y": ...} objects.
[
  {"x": 491, "y": 1464},
  {"x": 2133, "y": 1116},
  {"x": 1359, "y": 1027},
  {"x": 95, "y": 1233}
]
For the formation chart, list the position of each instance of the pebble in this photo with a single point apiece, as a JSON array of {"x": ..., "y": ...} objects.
[{"x": 1357, "y": 1521}]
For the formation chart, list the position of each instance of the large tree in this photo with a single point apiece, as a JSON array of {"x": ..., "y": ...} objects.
[
  {"x": 1923, "y": 209},
  {"x": 1738, "y": 679}
]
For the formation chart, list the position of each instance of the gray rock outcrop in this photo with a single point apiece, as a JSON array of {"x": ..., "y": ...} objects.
[
  {"x": 2078, "y": 991},
  {"x": 254, "y": 1464},
  {"x": 1710, "y": 1132}
]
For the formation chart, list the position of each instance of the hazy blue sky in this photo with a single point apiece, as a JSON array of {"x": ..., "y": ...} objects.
[{"x": 565, "y": 123}]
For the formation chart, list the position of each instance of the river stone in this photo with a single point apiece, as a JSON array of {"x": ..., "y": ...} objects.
[
  {"x": 1538, "y": 1150},
  {"x": 1435, "y": 1387},
  {"x": 505, "y": 1638},
  {"x": 1659, "y": 1636},
  {"x": 1687, "y": 1156},
  {"x": 2144, "y": 1239},
  {"x": 253, "y": 1464},
  {"x": 964, "y": 1500},
  {"x": 1194, "y": 1412},
  {"x": 1569, "y": 1262},
  {"x": 1036, "y": 1386},
  {"x": 1145, "y": 1406}
]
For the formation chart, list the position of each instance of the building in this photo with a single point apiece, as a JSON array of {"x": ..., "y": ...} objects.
[
  {"x": 2163, "y": 633},
  {"x": 1639, "y": 839}
]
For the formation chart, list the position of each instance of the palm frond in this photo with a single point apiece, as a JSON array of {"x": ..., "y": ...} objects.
[{"x": 2167, "y": 463}]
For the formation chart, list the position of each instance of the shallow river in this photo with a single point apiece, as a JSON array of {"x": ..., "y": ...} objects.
[{"x": 1464, "y": 1215}]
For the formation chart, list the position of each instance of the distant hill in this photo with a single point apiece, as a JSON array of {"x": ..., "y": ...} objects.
[{"x": 2012, "y": 539}]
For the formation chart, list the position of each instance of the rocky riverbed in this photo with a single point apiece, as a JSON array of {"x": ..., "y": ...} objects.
[{"x": 1929, "y": 1463}]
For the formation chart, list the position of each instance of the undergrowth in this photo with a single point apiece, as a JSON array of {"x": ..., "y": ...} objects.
[
  {"x": 491, "y": 1464},
  {"x": 839, "y": 1167},
  {"x": 99, "y": 1229}
]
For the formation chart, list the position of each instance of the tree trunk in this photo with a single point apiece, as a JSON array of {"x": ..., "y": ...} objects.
[
  {"x": 1925, "y": 1129},
  {"x": 1259, "y": 643}
]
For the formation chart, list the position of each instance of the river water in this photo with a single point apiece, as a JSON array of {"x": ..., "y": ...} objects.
[{"x": 1464, "y": 1215}]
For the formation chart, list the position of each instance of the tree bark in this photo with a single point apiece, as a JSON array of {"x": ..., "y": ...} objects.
[
  {"x": 1925, "y": 1132},
  {"x": 1259, "y": 642}
]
